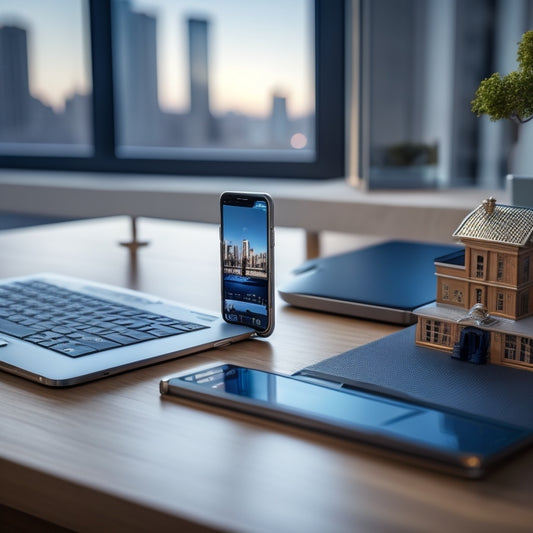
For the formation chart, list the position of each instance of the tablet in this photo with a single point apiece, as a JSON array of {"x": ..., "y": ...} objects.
[
  {"x": 443, "y": 439},
  {"x": 384, "y": 282}
]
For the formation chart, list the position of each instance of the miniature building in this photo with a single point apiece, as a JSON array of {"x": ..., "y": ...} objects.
[{"x": 484, "y": 303}]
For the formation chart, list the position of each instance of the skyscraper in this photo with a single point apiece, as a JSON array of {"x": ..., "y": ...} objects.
[
  {"x": 136, "y": 65},
  {"x": 245, "y": 257},
  {"x": 201, "y": 124},
  {"x": 279, "y": 122},
  {"x": 14, "y": 82},
  {"x": 245, "y": 249}
]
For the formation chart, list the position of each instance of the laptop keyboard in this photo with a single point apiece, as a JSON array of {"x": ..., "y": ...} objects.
[{"x": 75, "y": 324}]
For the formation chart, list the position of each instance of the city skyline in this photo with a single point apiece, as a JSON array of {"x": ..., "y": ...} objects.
[
  {"x": 245, "y": 240},
  {"x": 265, "y": 43},
  {"x": 141, "y": 120},
  {"x": 23, "y": 117},
  {"x": 244, "y": 260},
  {"x": 244, "y": 77},
  {"x": 58, "y": 48}
]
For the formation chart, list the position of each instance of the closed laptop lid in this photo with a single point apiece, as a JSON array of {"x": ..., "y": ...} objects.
[{"x": 383, "y": 282}]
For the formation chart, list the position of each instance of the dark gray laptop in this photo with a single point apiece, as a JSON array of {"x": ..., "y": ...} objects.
[
  {"x": 384, "y": 282},
  {"x": 62, "y": 331}
]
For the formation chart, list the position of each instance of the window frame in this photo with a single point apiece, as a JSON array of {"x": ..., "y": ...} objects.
[{"x": 329, "y": 114}]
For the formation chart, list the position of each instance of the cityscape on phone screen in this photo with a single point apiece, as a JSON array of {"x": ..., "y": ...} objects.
[{"x": 245, "y": 264}]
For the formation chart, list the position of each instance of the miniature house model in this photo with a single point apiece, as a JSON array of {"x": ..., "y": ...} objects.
[{"x": 484, "y": 304}]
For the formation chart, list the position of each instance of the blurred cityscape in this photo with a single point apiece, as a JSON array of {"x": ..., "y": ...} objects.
[
  {"x": 416, "y": 128},
  {"x": 24, "y": 118},
  {"x": 143, "y": 122},
  {"x": 140, "y": 121}
]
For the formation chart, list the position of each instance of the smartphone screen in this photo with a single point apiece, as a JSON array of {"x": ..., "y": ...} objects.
[
  {"x": 247, "y": 260},
  {"x": 467, "y": 444}
]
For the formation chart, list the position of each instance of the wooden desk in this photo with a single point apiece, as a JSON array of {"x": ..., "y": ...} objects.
[{"x": 112, "y": 455}]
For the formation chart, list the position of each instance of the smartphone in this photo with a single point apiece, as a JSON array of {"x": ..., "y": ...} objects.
[
  {"x": 444, "y": 439},
  {"x": 247, "y": 260}
]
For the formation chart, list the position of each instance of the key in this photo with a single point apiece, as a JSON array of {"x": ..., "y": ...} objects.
[
  {"x": 14, "y": 329},
  {"x": 73, "y": 349}
]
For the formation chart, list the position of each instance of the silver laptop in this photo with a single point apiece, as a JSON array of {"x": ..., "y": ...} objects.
[{"x": 61, "y": 331}]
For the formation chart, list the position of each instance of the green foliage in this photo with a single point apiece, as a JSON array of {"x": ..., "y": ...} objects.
[{"x": 509, "y": 96}]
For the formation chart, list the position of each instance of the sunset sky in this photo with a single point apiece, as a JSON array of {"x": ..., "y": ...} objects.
[{"x": 256, "y": 48}]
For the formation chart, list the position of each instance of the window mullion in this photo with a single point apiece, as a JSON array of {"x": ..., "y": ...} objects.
[{"x": 102, "y": 72}]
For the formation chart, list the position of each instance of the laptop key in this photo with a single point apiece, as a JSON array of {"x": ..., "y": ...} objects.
[
  {"x": 44, "y": 336},
  {"x": 187, "y": 326},
  {"x": 50, "y": 343},
  {"x": 64, "y": 330},
  {"x": 16, "y": 318},
  {"x": 121, "y": 339},
  {"x": 163, "y": 331},
  {"x": 14, "y": 329},
  {"x": 140, "y": 335},
  {"x": 94, "y": 341},
  {"x": 131, "y": 323},
  {"x": 73, "y": 349}
]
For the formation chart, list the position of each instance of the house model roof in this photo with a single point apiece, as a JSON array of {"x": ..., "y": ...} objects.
[{"x": 503, "y": 224}]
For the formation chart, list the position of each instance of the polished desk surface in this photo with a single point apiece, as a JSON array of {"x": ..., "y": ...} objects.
[{"x": 112, "y": 455}]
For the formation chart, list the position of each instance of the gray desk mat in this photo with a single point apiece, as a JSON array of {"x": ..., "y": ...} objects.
[{"x": 395, "y": 366}]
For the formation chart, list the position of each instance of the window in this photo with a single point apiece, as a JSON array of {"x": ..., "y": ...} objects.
[
  {"x": 437, "y": 332},
  {"x": 193, "y": 87},
  {"x": 45, "y": 78},
  {"x": 499, "y": 301},
  {"x": 458, "y": 296},
  {"x": 208, "y": 75},
  {"x": 480, "y": 266},
  {"x": 499, "y": 267},
  {"x": 428, "y": 330},
  {"x": 526, "y": 350},
  {"x": 417, "y": 129},
  {"x": 479, "y": 296},
  {"x": 510, "y": 347}
]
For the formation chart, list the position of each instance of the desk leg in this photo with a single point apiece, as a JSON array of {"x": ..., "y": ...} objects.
[
  {"x": 134, "y": 243},
  {"x": 312, "y": 244}
]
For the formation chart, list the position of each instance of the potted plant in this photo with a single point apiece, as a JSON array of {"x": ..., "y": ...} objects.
[{"x": 509, "y": 96}]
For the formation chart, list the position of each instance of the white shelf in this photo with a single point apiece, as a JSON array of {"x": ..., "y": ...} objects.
[{"x": 333, "y": 205}]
